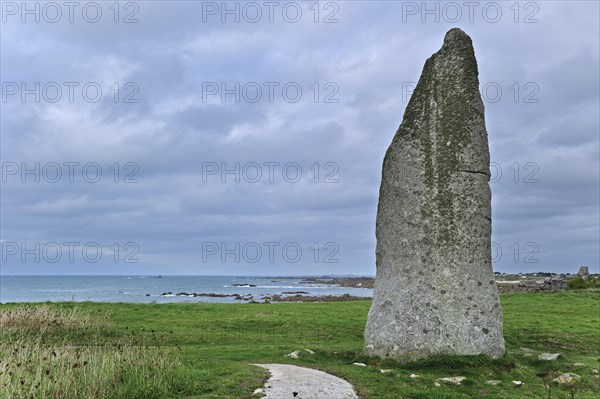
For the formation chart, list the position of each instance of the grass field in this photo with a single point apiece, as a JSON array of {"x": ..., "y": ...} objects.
[{"x": 100, "y": 350}]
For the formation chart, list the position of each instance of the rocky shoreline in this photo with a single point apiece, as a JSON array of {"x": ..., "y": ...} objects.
[
  {"x": 209, "y": 294},
  {"x": 548, "y": 284},
  {"x": 529, "y": 282},
  {"x": 350, "y": 282},
  {"x": 285, "y": 296}
]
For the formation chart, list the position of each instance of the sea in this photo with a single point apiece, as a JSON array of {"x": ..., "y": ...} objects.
[{"x": 157, "y": 289}]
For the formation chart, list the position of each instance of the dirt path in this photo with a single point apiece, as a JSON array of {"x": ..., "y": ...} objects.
[{"x": 306, "y": 383}]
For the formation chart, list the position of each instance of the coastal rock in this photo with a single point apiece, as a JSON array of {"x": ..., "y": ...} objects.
[
  {"x": 353, "y": 282},
  {"x": 294, "y": 292},
  {"x": 435, "y": 291}
]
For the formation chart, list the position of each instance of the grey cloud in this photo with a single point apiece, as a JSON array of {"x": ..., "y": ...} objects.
[{"x": 369, "y": 54}]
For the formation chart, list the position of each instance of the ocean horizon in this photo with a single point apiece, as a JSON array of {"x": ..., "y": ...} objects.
[{"x": 161, "y": 288}]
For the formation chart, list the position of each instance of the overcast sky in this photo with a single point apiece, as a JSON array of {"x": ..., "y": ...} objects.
[{"x": 192, "y": 100}]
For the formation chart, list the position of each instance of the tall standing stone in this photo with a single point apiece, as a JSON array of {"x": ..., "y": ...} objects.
[{"x": 435, "y": 291}]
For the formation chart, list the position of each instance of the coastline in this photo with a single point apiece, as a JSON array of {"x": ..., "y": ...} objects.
[{"x": 217, "y": 289}]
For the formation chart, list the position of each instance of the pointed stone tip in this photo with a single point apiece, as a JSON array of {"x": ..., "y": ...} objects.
[{"x": 456, "y": 35}]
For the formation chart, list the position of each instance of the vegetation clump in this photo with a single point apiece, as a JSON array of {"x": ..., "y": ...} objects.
[
  {"x": 580, "y": 283},
  {"x": 52, "y": 352}
]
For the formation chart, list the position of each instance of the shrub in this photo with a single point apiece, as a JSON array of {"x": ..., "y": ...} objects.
[{"x": 579, "y": 283}]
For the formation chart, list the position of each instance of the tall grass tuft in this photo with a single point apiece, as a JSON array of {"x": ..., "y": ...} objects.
[{"x": 36, "y": 363}]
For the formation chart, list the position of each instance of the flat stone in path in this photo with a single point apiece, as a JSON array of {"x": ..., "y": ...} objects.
[{"x": 306, "y": 383}]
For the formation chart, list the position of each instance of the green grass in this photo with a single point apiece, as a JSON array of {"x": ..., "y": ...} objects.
[{"x": 208, "y": 348}]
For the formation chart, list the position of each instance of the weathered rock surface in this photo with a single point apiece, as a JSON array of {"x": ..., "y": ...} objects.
[
  {"x": 435, "y": 291},
  {"x": 584, "y": 272}
]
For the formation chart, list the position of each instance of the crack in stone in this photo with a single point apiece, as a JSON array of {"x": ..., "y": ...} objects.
[{"x": 476, "y": 172}]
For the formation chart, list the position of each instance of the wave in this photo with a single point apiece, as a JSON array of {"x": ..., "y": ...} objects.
[
  {"x": 275, "y": 286},
  {"x": 259, "y": 286}
]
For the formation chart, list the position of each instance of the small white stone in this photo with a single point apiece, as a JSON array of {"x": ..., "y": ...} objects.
[
  {"x": 493, "y": 382},
  {"x": 414, "y": 376},
  {"x": 293, "y": 355},
  {"x": 359, "y": 364},
  {"x": 594, "y": 371},
  {"x": 548, "y": 356},
  {"x": 259, "y": 391},
  {"x": 578, "y": 365},
  {"x": 517, "y": 383},
  {"x": 453, "y": 380},
  {"x": 567, "y": 379},
  {"x": 527, "y": 350},
  {"x": 385, "y": 371},
  {"x": 437, "y": 384},
  {"x": 310, "y": 351}
]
